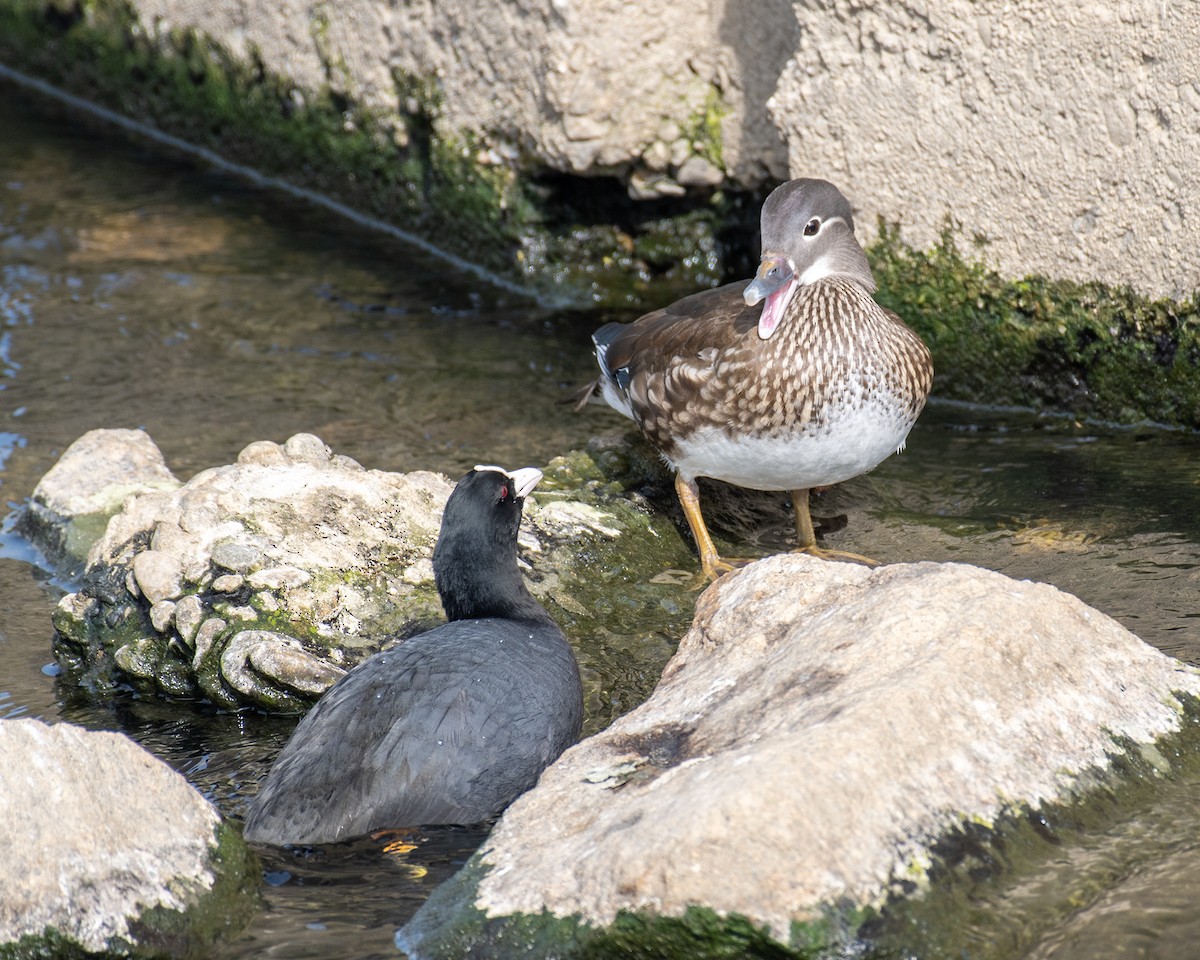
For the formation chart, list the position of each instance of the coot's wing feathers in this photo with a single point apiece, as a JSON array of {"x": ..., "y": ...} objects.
[
  {"x": 496, "y": 719},
  {"x": 407, "y": 739},
  {"x": 317, "y": 785}
]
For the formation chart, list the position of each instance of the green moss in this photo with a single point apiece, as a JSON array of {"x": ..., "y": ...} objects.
[
  {"x": 449, "y": 925},
  {"x": 704, "y": 130},
  {"x": 1086, "y": 349},
  {"x": 213, "y": 914},
  {"x": 88, "y": 646},
  {"x": 624, "y": 600},
  {"x": 50, "y": 944},
  {"x": 698, "y": 933}
]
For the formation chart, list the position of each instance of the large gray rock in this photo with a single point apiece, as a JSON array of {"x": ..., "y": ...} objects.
[
  {"x": 821, "y": 727},
  {"x": 1061, "y": 134},
  {"x": 261, "y": 582},
  {"x": 108, "y": 850},
  {"x": 73, "y": 502}
]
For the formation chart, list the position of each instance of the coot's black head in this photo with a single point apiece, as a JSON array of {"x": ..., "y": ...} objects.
[{"x": 475, "y": 560}]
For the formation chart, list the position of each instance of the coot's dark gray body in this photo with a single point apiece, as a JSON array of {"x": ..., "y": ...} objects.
[{"x": 449, "y": 726}]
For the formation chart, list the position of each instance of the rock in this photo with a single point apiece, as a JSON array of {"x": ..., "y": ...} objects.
[
  {"x": 207, "y": 633},
  {"x": 74, "y": 500},
  {"x": 254, "y": 656},
  {"x": 161, "y": 615},
  {"x": 698, "y": 172},
  {"x": 288, "y": 542},
  {"x": 159, "y": 575},
  {"x": 189, "y": 613},
  {"x": 239, "y": 555},
  {"x": 820, "y": 728},
  {"x": 296, "y": 548},
  {"x": 109, "y": 850}
]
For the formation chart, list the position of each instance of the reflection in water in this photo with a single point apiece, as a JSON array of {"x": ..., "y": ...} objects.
[{"x": 139, "y": 293}]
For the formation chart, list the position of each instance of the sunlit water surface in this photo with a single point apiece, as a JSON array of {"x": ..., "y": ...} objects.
[{"x": 137, "y": 291}]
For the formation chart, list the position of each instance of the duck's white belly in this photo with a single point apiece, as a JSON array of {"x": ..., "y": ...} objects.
[{"x": 852, "y": 440}]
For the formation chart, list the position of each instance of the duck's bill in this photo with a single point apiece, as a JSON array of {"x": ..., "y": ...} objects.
[
  {"x": 774, "y": 273},
  {"x": 774, "y": 284}
]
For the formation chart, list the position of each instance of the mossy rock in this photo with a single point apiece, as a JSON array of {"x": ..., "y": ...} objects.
[
  {"x": 935, "y": 914},
  {"x": 160, "y": 932}
]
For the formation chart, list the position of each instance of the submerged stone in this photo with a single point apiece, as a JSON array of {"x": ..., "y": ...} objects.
[{"x": 820, "y": 729}]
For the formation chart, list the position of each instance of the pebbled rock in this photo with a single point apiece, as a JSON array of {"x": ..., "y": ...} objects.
[
  {"x": 259, "y": 583},
  {"x": 111, "y": 850},
  {"x": 290, "y": 542},
  {"x": 820, "y": 728}
]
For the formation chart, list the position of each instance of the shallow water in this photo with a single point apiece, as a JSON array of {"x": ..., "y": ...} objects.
[{"x": 138, "y": 291}]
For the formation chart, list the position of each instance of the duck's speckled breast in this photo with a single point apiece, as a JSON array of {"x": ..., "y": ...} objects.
[{"x": 834, "y": 392}]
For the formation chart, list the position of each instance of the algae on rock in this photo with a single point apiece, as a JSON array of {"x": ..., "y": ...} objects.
[{"x": 1085, "y": 349}]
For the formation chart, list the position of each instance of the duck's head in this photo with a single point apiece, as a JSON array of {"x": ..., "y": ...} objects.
[
  {"x": 475, "y": 560},
  {"x": 807, "y": 235}
]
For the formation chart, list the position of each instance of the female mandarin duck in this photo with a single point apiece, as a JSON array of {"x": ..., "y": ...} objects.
[{"x": 814, "y": 387}]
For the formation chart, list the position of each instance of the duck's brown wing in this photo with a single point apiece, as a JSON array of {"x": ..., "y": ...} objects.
[
  {"x": 663, "y": 364},
  {"x": 681, "y": 331}
]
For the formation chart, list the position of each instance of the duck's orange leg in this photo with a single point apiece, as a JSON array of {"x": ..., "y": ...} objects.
[
  {"x": 711, "y": 565},
  {"x": 806, "y": 536}
]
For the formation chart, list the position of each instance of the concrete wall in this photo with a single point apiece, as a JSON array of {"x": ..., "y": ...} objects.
[
  {"x": 1066, "y": 135},
  {"x": 1063, "y": 135}
]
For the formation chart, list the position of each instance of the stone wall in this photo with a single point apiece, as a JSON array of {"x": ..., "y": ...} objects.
[{"x": 1059, "y": 135}]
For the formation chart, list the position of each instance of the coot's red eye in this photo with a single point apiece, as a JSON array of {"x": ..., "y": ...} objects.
[{"x": 503, "y": 492}]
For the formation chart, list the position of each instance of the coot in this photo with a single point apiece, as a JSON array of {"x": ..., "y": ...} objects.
[
  {"x": 447, "y": 727},
  {"x": 814, "y": 387}
]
